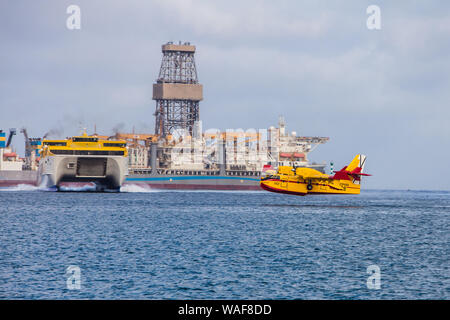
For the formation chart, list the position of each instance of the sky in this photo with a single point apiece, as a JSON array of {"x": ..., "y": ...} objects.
[{"x": 384, "y": 93}]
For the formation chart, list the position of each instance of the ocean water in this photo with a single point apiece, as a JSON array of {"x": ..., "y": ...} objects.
[{"x": 143, "y": 244}]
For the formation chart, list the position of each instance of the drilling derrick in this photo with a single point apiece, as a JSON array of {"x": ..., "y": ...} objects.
[{"x": 177, "y": 91}]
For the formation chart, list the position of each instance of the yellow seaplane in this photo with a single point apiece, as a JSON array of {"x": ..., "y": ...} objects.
[{"x": 303, "y": 181}]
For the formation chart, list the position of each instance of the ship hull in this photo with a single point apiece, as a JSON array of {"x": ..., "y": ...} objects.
[
  {"x": 15, "y": 178},
  {"x": 194, "y": 182},
  {"x": 165, "y": 182}
]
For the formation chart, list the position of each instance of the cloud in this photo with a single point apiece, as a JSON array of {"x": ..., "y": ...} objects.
[{"x": 260, "y": 19}]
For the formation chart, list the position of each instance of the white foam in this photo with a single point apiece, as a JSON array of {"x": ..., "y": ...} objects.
[
  {"x": 44, "y": 181},
  {"x": 85, "y": 188},
  {"x": 136, "y": 188},
  {"x": 21, "y": 187}
]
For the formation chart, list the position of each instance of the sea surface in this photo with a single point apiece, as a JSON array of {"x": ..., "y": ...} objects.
[{"x": 144, "y": 244}]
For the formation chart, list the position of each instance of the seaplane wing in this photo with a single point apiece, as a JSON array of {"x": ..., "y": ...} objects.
[
  {"x": 313, "y": 178},
  {"x": 310, "y": 174}
]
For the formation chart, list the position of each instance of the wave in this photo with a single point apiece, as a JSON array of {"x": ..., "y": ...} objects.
[
  {"x": 129, "y": 188},
  {"x": 86, "y": 188},
  {"x": 22, "y": 187},
  {"x": 136, "y": 188}
]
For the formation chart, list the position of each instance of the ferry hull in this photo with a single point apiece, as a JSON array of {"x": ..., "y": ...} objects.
[{"x": 108, "y": 172}]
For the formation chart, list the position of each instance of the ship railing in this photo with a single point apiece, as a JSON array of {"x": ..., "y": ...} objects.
[
  {"x": 243, "y": 173},
  {"x": 179, "y": 172}
]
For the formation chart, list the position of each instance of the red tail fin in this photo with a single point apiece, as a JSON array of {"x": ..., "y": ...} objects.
[
  {"x": 353, "y": 171},
  {"x": 341, "y": 174}
]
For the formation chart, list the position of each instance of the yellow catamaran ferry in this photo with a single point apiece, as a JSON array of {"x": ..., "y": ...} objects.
[{"x": 83, "y": 159}]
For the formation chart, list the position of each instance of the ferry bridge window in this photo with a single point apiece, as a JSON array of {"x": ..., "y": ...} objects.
[
  {"x": 85, "y": 139},
  {"x": 88, "y": 152},
  {"x": 117, "y": 145},
  {"x": 59, "y": 144}
]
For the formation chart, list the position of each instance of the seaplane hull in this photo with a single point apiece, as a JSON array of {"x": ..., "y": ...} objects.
[{"x": 305, "y": 181}]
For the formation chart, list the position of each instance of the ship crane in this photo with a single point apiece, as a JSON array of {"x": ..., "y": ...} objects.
[
  {"x": 12, "y": 132},
  {"x": 27, "y": 149}
]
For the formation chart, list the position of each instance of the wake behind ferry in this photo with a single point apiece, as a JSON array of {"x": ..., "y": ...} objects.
[{"x": 83, "y": 159}]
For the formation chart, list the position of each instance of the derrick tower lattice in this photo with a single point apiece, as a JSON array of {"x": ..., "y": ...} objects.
[{"x": 177, "y": 91}]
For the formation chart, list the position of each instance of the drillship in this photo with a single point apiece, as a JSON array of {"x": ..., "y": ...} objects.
[
  {"x": 83, "y": 159},
  {"x": 216, "y": 161}
]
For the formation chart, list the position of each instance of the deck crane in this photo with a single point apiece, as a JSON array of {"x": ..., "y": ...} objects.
[
  {"x": 27, "y": 148},
  {"x": 12, "y": 132}
]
